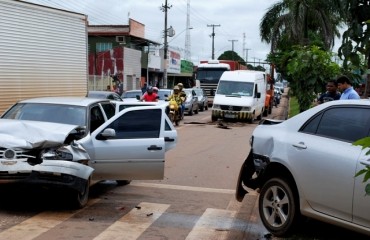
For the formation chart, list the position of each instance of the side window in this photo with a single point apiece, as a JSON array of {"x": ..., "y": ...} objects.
[
  {"x": 109, "y": 109},
  {"x": 96, "y": 118},
  {"x": 138, "y": 124},
  {"x": 342, "y": 123},
  {"x": 312, "y": 125}
]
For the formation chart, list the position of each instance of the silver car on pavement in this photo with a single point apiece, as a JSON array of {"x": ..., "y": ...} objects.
[
  {"x": 306, "y": 166},
  {"x": 75, "y": 142}
]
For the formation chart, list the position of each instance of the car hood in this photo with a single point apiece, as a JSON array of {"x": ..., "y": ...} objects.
[{"x": 32, "y": 134}]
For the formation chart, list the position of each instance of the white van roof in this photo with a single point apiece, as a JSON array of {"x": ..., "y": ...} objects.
[{"x": 242, "y": 75}]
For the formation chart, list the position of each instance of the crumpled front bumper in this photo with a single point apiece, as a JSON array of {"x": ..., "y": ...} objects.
[{"x": 50, "y": 172}]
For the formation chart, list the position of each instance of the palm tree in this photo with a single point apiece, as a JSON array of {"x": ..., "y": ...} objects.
[{"x": 292, "y": 21}]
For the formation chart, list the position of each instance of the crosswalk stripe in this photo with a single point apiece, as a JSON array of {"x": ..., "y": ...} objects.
[
  {"x": 133, "y": 224},
  {"x": 39, "y": 224},
  {"x": 213, "y": 224}
]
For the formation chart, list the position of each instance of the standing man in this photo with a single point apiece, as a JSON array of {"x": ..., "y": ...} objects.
[
  {"x": 331, "y": 92},
  {"x": 344, "y": 84}
]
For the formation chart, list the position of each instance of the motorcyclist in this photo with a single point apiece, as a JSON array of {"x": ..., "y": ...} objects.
[
  {"x": 176, "y": 96},
  {"x": 183, "y": 95},
  {"x": 149, "y": 96}
]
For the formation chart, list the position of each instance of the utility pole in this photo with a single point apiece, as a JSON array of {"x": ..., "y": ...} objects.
[
  {"x": 213, "y": 38},
  {"x": 245, "y": 50},
  {"x": 246, "y": 55},
  {"x": 165, "y": 8},
  {"x": 232, "y": 48},
  {"x": 187, "y": 39},
  {"x": 232, "y": 44}
]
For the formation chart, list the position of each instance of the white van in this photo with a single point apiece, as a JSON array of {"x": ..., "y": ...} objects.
[{"x": 240, "y": 95}]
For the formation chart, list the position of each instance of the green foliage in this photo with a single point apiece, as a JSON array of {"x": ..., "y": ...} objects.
[
  {"x": 309, "y": 68},
  {"x": 293, "y": 107},
  {"x": 231, "y": 55},
  {"x": 356, "y": 39},
  {"x": 365, "y": 143}
]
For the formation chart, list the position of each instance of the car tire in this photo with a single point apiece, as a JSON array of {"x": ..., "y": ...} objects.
[
  {"x": 201, "y": 108},
  {"x": 123, "y": 182},
  {"x": 191, "y": 112},
  {"x": 259, "y": 117},
  {"x": 265, "y": 112},
  {"x": 206, "y": 107},
  {"x": 251, "y": 120},
  {"x": 79, "y": 199},
  {"x": 196, "y": 111},
  {"x": 278, "y": 207}
]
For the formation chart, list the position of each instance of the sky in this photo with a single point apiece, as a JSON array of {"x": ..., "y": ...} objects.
[{"x": 236, "y": 19}]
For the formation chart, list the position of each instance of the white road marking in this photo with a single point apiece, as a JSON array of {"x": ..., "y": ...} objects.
[
  {"x": 213, "y": 224},
  {"x": 39, "y": 224},
  {"x": 134, "y": 223},
  {"x": 183, "y": 188}
]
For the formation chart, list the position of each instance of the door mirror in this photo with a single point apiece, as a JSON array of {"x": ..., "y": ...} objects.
[
  {"x": 106, "y": 134},
  {"x": 258, "y": 95}
]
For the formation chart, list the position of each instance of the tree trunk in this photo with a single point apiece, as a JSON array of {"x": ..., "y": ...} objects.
[{"x": 367, "y": 86}]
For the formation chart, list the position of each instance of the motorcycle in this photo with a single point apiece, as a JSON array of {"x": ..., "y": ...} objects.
[
  {"x": 174, "y": 113},
  {"x": 277, "y": 97}
]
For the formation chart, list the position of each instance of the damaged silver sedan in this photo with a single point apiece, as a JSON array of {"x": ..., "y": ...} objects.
[
  {"x": 306, "y": 166},
  {"x": 75, "y": 142}
]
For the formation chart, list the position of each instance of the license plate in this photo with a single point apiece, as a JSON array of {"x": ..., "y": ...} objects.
[{"x": 230, "y": 116}]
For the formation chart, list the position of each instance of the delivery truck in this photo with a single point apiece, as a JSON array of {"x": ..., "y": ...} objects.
[{"x": 43, "y": 52}]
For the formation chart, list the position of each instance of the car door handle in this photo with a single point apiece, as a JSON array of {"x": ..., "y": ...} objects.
[
  {"x": 154, "y": 148},
  {"x": 300, "y": 145},
  {"x": 167, "y": 139}
]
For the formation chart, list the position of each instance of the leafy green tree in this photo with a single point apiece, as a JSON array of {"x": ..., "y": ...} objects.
[
  {"x": 231, "y": 55},
  {"x": 356, "y": 39},
  {"x": 294, "y": 22},
  {"x": 309, "y": 68}
]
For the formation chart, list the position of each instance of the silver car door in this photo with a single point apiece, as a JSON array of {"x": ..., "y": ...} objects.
[
  {"x": 326, "y": 160},
  {"x": 170, "y": 134},
  {"x": 135, "y": 148}
]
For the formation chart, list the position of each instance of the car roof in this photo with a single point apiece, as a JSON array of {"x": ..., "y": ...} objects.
[
  {"x": 101, "y": 93},
  {"x": 138, "y": 90},
  {"x": 77, "y": 101}
]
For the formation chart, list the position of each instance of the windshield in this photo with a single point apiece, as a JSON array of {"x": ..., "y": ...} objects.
[
  {"x": 67, "y": 114},
  {"x": 235, "y": 88},
  {"x": 131, "y": 94},
  {"x": 210, "y": 75}
]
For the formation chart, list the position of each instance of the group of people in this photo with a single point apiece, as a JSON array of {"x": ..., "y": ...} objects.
[
  {"x": 343, "y": 83},
  {"x": 179, "y": 96}
]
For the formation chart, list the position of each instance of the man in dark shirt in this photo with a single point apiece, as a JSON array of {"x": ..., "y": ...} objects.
[{"x": 330, "y": 94}]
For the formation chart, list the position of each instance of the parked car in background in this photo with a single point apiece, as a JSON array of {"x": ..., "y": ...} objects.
[
  {"x": 163, "y": 94},
  {"x": 279, "y": 86},
  {"x": 191, "y": 103},
  {"x": 306, "y": 165},
  {"x": 131, "y": 95},
  {"x": 119, "y": 106},
  {"x": 202, "y": 99},
  {"x": 104, "y": 95},
  {"x": 74, "y": 142}
]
